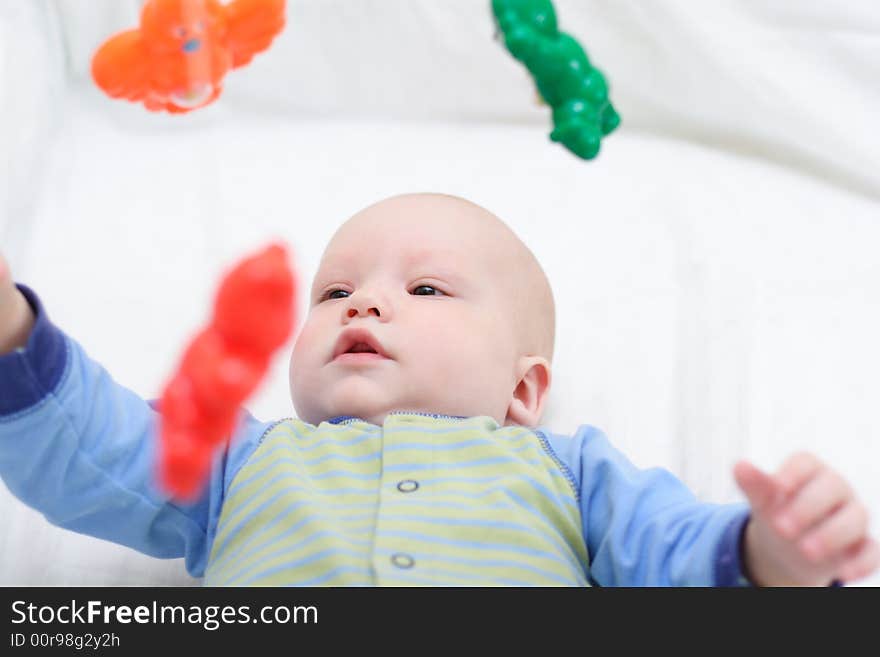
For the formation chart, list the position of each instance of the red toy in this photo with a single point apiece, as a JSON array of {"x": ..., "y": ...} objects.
[
  {"x": 222, "y": 366},
  {"x": 177, "y": 59}
]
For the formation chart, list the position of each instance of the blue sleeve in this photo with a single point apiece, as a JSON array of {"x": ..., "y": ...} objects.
[
  {"x": 644, "y": 527},
  {"x": 80, "y": 448}
]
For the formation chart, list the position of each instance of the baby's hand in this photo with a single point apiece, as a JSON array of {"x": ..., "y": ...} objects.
[
  {"x": 807, "y": 527},
  {"x": 16, "y": 317}
]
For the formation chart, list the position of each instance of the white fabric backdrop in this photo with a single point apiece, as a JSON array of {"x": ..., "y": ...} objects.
[
  {"x": 31, "y": 99},
  {"x": 715, "y": 269}
]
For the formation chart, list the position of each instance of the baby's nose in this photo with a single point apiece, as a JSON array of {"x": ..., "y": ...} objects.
[
  {"x": 354, "y": 312},
  {"x": 364, "y": 303},
  {"x": 368, "y": 302}
]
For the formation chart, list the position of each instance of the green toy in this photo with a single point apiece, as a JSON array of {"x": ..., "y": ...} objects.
[{"x": 577, "y": 92}]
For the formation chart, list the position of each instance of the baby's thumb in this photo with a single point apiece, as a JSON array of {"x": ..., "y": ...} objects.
[{"x": 759, "y": 488}]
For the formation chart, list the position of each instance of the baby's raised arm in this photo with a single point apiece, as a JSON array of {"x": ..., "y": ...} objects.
[
  {"x": 16, "y": 316},
  {"x": 79, "y": 447}
]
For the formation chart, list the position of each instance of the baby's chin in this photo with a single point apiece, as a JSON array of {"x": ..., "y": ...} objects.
[
  {"x": 370, "y": 410},
  {"x": 363, "y": 400}
]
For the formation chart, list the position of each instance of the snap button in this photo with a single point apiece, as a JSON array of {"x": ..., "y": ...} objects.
[
  {"x": 407, "y": 485},
  {"x": 402, "y": 560}
]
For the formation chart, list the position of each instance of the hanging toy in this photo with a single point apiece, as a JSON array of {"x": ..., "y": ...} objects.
[
  {"x": 177, "y": 59},
  {"x": 222, "y": 366},
  {"x": 577, "y": 92}
]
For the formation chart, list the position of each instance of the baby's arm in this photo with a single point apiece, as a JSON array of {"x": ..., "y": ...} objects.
[
  {"x": 644, "y": 527},
  {"x": 807, "y": 526},
  {"x": 80, "y": 448}
]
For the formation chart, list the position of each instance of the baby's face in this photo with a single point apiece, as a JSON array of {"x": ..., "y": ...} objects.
[{"x": 419, "y": 280}]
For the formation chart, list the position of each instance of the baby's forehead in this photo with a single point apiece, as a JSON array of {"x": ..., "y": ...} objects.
[
  {"x": 408, "y": 252},
  {"x": 414, "y": 242},
  {"x": 426, "y": 231}
]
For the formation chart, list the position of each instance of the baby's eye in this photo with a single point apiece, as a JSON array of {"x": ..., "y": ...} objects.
[
  {"x": 179, "y": 32},
  {"x": 329, "y": 295},
  {"x": 419, "y": 290}
]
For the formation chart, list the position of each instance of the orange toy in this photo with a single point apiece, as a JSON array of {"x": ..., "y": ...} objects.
[
  {"x": 222, "y": 366},
  {"x": 177, "y": 59}
]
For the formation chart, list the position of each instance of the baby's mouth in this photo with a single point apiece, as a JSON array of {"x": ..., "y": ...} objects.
[
  {"x": 358, "y": 345},
  {"x": 359, "y": 354},
  {"x": 361, "y": 348}
]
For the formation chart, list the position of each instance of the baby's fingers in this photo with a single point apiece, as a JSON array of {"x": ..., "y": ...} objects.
[
  {"x": 834, "y": 535},
  {"x": 760, "y": 488},
  {"x": 819, "y": 496},
  {"x": 861, "y": 560},
  {"x": 797, "y": 471}
]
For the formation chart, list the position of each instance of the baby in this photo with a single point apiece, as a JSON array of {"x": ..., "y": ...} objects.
[{"x": 419, "y": 379}]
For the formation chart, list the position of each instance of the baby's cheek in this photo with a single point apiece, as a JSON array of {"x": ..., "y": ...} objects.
[
  {"x": 459, "y": 350},
  {"x": 446, "y": 340},
  {"x": 303, "y": 379},
  {"x": 303, "y": 353}
]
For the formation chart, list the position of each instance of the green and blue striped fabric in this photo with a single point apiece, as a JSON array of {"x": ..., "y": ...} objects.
[{"x": 421, "y": 500}]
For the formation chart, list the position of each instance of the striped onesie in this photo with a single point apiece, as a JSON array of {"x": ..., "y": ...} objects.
[{"x": 421, "y": 500}]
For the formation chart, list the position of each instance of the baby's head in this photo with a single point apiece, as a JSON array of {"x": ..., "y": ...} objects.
[{"x": 457, "y": 308}]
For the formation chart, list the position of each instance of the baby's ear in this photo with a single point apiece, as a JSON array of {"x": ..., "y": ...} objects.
[{"x": 530, "y": 393}]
